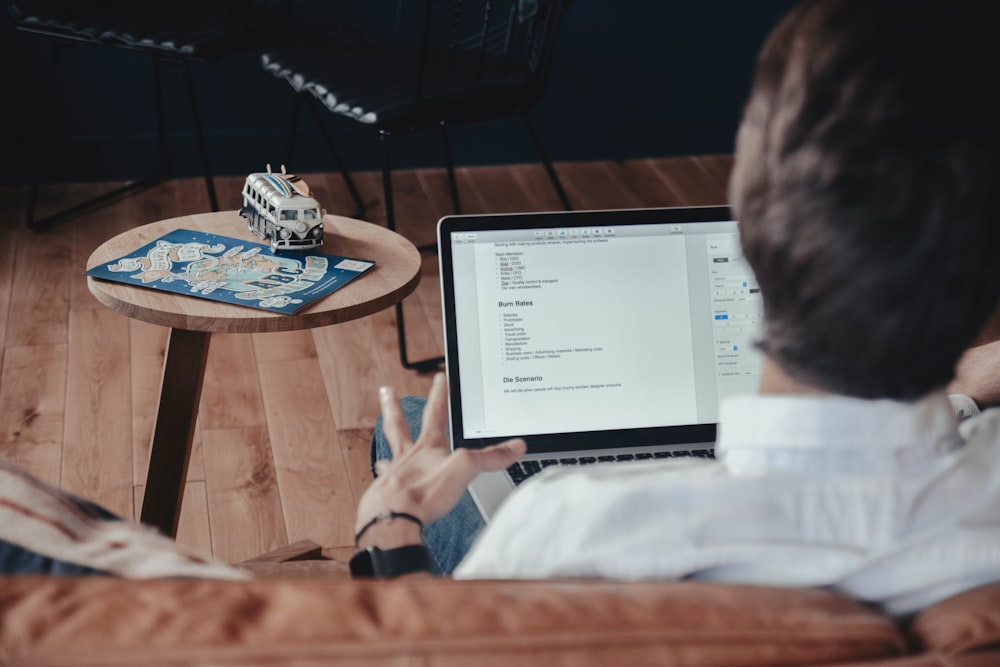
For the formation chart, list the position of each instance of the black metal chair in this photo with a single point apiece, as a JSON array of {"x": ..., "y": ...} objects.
[
  {"x": 429, "y": 65},
  {"x": 179, "y": 32}
]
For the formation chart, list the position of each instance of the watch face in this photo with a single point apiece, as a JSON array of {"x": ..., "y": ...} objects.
[
  {"x": 361, "y": 564},
  {"x": 375, "y": 562}
]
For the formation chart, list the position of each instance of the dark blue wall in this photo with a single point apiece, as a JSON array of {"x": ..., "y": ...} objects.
[{"x": 630, "y": 79}]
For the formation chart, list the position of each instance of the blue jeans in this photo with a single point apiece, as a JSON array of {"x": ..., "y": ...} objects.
[{"x": 450, "y": 537}]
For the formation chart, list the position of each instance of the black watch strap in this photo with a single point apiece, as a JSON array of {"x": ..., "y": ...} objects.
[{"x": 385, "y": 563}]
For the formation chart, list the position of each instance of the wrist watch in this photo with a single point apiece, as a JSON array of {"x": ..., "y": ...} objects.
[{"x": 385, "y": 563}]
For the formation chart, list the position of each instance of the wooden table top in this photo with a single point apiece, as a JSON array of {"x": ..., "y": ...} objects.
[{"x": 395, "y": 275}]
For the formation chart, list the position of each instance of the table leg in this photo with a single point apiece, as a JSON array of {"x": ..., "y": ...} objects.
[{"x": 170, "y": 451}]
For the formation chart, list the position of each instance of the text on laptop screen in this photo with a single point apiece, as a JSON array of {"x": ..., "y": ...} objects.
[{"x": 582, "y": 328}]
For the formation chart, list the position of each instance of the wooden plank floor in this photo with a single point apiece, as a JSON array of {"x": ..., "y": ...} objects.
[{"x": 281, "y": 449}]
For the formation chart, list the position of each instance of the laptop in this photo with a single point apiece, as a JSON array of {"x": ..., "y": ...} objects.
[{"x": 605, "y": 336}]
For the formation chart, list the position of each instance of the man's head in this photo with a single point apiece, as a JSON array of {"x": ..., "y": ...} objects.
[{"x": 866, "y": 183}]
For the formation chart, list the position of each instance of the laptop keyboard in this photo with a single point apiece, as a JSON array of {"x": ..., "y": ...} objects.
[{"x": 522, "y": 470}]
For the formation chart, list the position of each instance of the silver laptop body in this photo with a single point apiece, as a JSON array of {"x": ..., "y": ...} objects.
[{"x": 597, "y": 336}]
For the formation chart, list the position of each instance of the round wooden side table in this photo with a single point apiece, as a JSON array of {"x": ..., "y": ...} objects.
[{"x": 192, "y": 320}]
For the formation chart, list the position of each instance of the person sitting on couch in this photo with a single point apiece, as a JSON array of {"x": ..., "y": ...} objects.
[{"x": 866, "y": 183}]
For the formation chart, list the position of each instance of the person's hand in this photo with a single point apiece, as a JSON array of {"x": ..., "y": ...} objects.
[
  {"x": 978, "y": 375},
  {"x": 424, "y": 478}
]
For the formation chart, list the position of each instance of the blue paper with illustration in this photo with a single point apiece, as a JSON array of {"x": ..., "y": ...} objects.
[{"x": 222, "y": 268}]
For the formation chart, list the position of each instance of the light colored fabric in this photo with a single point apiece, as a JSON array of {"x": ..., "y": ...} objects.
[
  {"x": 888, "y": 502},
  {"x": 55, "y": 529}
]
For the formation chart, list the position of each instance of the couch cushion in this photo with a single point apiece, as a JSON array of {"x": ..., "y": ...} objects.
[
  {"x": 990, "y": 659},
  {"x": 431, "y": 622},
  {"x": 963, "y": 623}
]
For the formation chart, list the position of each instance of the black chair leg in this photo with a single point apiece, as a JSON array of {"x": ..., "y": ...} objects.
[
  {"x": 200, "y": 135},
  {"x": 550, "y": 170},
  {"x": 293, "y": 130},
  {"x": 344, "y": 172},
  {"x": 425, "y": 365},
  {"x": 449, "y": 161},
  {"x": 166, "y": 166},
  {"x": 47, "y": 223},
  {"x": 42, "y": 145},
  {"x": 390, "y": 209}
]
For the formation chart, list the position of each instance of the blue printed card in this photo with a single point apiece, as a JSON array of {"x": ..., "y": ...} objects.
[{"x": 222, "y": 268}]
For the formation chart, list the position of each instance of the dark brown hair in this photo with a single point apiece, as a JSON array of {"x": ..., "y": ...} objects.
[{"x": 866, "y": 185}]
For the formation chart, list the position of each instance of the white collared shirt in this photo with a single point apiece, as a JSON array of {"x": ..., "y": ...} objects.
[{"x": 893, "y": 503}]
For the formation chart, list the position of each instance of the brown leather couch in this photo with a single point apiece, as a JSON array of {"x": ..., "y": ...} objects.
[{"x": 311, "y": 613}]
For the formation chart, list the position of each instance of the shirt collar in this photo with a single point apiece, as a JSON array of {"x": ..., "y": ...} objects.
[{"x": 835, "y": 433}]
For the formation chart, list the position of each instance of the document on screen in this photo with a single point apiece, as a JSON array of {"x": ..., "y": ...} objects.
[{"x": 576, "y": 333}]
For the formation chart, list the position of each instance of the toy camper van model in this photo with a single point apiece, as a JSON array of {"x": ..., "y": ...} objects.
[{"x": 280, "y": 209}]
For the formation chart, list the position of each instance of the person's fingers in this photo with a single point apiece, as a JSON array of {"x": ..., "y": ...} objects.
[
  {"x": 439, "y": 478},
  {"x": 393, "y": 422},
  {"x": 461, "y": 467},
  {"x": 435, "y": 419},
  {"x": 471, "y": 462},
  {"x": 500, "y": 456}
]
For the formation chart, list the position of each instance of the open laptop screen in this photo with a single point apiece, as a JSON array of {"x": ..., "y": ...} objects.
[{"x": 575, "y": 330}]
